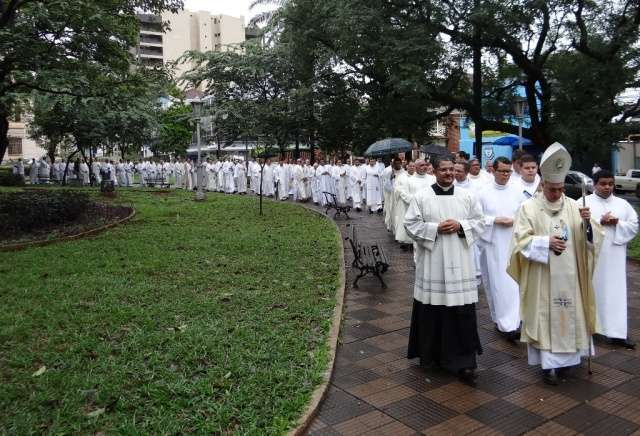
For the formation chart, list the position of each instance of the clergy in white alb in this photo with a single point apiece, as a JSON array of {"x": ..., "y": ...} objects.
[
  {"x": 620, "y": 223},
  {"x": 500, "y": 202},
  {"x": 341, "y": 182},
  {"x": 445, "y": 222},
  {"x": 357, "y": 178},
  {"x": 373, "y": 187},
  {"x": 281, "y": 173},
  {"x": 406, "y": 188},
  {"x": 552, "y": 259}
]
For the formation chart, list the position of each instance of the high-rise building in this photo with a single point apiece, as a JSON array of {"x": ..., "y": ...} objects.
[{"x": 186, "y": 31}]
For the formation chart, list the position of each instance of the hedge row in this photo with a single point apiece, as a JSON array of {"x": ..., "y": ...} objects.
[{"x": 34, "y": 210}]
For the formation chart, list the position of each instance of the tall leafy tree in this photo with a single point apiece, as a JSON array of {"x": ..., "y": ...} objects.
[{"x": 61, "y": 46}]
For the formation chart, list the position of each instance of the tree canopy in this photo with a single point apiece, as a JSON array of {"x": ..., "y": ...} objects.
[
  {"x": 66, "y": 47},
  {"x": 346, "y": 72}
]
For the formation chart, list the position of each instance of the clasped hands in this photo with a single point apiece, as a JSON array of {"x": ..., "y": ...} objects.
[
  {"x": 608, "y": 219},
  {"x": 449, "y": 226}
]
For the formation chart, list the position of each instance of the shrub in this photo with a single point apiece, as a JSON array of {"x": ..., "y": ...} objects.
[
  {"x": 7, "y": 178},
  {"x": 32, "y": 210}
]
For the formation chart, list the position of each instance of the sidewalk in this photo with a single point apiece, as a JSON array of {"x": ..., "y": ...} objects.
[{"x": 376, "y": 390}]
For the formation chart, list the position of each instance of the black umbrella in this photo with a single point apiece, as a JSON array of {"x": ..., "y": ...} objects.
[
  {"x": 433, "y": 150},
  {"x": 388, "y": 146}
]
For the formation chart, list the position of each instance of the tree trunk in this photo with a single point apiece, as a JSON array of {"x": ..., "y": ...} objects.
[
  {"x": 66, "y": 167},
  {"x": 477, "y": 84},
  {"x": 4, "y": 131}
]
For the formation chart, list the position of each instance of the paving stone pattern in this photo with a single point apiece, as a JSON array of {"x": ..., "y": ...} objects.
[{"x": 376, "y": 390}]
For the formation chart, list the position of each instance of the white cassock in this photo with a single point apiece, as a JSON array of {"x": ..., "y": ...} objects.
[
  {"x": 229, "y": 182},
  {"x": 120, "y": 174},
  {"x": 309, "y": 175},
  {"x": 610, "y": 275},
  {"x": 142, "y": 170},
  {"x": 316, "y": 190},
  {"x": 219, "y": 175},
  {"x": 95, "y": 169},
  {"x": 254, "y": 174},
  {"x": 444, "y": 274},
  {"x": 282, "y": 179},
  {"x": 128, "y": 168},
  {"x": 473, "y": 187},
  {"x": 326, "y": 182},
  {"x": 341, "y": 183},
  {"x": 212, "y": 178},
  {"x": 240, "y": 175},
  {"x": 356, "y": 178},
  {"x": 84, "y": 173},
  {"x": 292, "y": 183},
  {"x": 387, "y": 194},
  {"x": 529, "y": 189},
  {"x": 178, "y": 169},
  {"x": 33, "y": 172},
  {"x": 188, "y": 176},
  {"x": 299, "y": 177},
  {"x": 503, "y": 293},
  {"x": 267, "y": 180},
  {"x": 406, "y": 187},
  {"x": 373, "y": 188},
  {"x": 482, "y": 179}
]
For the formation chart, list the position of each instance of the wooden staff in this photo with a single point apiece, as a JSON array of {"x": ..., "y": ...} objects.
[{"x": 585, "y": 229}]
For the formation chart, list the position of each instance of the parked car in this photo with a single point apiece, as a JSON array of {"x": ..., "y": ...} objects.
[
  {"x": 630, "y": 182},
  {"x": 573, "y": 184}
]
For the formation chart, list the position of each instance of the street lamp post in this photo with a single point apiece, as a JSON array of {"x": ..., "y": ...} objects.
[
  {"x": 520, "y": 106},
  {"x": 196, "y": 104}
]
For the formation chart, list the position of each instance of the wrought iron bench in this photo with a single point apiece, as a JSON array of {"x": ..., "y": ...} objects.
[
  {"x": 332, "y": 203},
  {"x": 369, "y": 258}
]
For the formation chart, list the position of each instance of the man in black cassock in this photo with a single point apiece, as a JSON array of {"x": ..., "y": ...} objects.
[{"x": 445, "y": 222}]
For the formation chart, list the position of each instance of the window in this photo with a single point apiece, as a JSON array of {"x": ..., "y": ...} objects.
[
  {"x": 15, "y": 146},
  {"x": 635, "y": 174}
]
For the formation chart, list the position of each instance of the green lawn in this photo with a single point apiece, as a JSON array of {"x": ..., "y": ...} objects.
[{"x": 194, "y": 317}]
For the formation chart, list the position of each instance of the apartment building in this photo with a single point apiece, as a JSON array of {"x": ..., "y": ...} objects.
[
  {"x": 187, "y": 30},
  {"x": 21, "y": 146}
]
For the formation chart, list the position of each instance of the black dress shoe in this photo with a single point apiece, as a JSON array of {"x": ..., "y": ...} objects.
[
  {"x": 626, "y": 343},
  {"x": 550, "y": 377},
  {"x": 467, "y": 376}
]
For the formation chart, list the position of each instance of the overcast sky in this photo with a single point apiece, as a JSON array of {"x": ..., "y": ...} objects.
[{"x": 229, "y": 7}]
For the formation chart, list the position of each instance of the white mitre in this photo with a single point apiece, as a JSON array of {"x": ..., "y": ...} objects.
[{"x": 555, "y": 163}]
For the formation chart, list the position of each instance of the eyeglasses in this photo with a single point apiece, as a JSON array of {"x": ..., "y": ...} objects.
[{"x": 504, "y": 171}]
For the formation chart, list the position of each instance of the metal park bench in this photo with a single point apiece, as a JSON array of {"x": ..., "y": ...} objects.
[
  {"x": 369, "y": 258},
  {"x": 332, "y": 203}
]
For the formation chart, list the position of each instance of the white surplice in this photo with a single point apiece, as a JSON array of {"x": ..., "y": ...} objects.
[
  {"x": 502, "y": 291},
  {"x": 445, "y": 274},
  {"x": 341, "y": 183},
  {"x": 406, "y": 187},
  {"x": 610, "y": 275},
  {"x": 373, "y": 188}
]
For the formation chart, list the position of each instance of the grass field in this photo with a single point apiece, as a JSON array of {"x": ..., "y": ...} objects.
[{"x": 193, "y": 317}]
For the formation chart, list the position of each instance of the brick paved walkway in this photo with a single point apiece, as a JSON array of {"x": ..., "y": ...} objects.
[{"x": 376, "y": 390}]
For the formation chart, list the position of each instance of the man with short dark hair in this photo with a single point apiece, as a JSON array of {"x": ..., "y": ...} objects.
[
  {"x": 500, "y": 201},
  {"x": 460, "y": 173},
  {"x": 620, "y": 222},
  {"x": 445, "y": 222}
]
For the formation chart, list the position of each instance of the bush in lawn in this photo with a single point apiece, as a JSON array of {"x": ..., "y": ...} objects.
[
  {"x": 7, "y": 178},
  {"x": 33, "y": 210}
]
